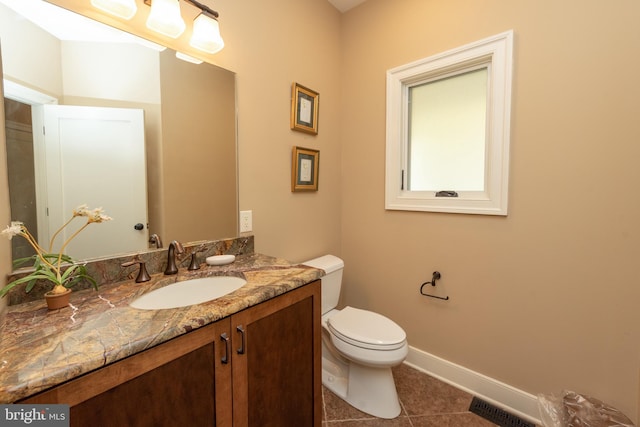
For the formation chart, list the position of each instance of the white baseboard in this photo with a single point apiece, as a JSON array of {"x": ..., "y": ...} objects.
[{"x": 517, "y": 402}]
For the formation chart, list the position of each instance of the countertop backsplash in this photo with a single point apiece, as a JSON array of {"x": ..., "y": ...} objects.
[{"x": 109, "y": 270}]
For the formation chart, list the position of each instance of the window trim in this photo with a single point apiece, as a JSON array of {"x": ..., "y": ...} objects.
[{"x": 496, "y": 53}]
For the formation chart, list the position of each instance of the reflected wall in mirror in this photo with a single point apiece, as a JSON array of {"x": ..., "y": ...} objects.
[{"x": 189, "y": 126}]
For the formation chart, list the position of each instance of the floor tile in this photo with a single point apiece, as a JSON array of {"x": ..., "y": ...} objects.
[
  {"x": 337, "y": 409},
  {"x": 422, "y": 394},
  {"x": 450, "y": 420},
  {"x": 425, "y": 402},
  {"x": 372, "y": 422}
]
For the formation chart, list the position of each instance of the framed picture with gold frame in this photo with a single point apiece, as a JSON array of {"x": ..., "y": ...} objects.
[
  {"x": 304, "y": 109},
  {"x": 304, "y": 169}
]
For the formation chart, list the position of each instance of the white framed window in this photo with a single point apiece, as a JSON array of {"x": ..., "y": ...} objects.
[{"x": 448, "y": 130}]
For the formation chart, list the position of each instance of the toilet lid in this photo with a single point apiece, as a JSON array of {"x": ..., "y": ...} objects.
[{"x": 366, "y": 328}]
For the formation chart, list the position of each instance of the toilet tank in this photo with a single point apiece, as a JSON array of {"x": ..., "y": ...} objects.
[{"x": 331, "y": 281}]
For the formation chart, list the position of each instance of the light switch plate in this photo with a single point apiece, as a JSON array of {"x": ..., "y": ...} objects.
[{"x": 246, "y": 221}]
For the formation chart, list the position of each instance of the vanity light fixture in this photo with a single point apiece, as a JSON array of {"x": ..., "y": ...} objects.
[
  {"x": 151, "y": 45},
  {"x": 206, "y": 33},
  {"x": 124, "y": 9},
  {"x": 165, "y": 18},
  {"x": 188, "y": 58}
]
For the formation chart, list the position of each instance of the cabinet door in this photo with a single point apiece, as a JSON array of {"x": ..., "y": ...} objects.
[
  {"x": 277, "y": 361},
  {"x": 181, "y": 382},
  {"x": 178, "y": 393},
  {"x": 222, "y": 367}
]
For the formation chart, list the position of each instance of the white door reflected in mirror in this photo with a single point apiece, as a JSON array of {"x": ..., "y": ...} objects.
[{"x": 95, "y": 156}]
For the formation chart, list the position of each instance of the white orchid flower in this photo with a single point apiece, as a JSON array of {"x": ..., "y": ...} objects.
[{"x": 15, "y": 229}]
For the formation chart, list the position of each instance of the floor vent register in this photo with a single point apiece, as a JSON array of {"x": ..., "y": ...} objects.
[{"x": 496, "y": 415}]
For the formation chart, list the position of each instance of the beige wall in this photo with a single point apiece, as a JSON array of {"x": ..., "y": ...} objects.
[
  {"x": 271, "y": 45},
  {"x": 544, "y": 299},
  {"x": 547, "y": 298}
]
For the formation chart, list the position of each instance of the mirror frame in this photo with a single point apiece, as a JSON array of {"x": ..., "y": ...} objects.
[{"x": 495, "y": 53}]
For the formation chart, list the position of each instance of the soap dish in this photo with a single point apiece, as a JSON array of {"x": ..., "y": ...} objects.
[{"x": 220, "y": 259}]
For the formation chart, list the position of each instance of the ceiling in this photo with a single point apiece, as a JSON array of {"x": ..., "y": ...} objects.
[{"x": 344, "y": 5}]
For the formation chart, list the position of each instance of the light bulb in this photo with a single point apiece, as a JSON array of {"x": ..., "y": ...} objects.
[
  {"x": 124, "y": 9},
  {"x": 165, "y": 18},
  {"x": 206, "y": 34},
  {"x": 188, "y": 58}
]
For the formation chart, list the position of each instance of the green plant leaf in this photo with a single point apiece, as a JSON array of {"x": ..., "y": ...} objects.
[
  {"x": 71, "y": 275},
  {"x": 20, "y": 261},
  {"x": 33, "y": 276},
  {"x": 67, "y": 274}
]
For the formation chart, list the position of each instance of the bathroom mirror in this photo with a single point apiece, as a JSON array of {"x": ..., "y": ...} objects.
[{"x": 189, "y": 124}]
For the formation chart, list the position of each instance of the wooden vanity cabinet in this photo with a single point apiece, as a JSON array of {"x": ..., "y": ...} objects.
[
  {"x": 258, "y": 367},
  {"x": 277, "y": 361},
  {"x": 180, "y": 382}
]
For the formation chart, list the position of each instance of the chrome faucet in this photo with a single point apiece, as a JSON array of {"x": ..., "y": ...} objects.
[{"x": 171, "y": 257}]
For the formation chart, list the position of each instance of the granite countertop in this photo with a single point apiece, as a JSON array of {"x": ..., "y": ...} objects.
[{"x": 42, "y": 348}]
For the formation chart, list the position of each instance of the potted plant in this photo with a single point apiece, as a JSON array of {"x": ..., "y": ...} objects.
[{"x": 58, "y": 269}]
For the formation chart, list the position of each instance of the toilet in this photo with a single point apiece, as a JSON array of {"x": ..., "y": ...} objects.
[{"x": 359, "y": 348}]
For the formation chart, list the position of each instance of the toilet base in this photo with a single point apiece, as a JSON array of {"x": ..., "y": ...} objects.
[{"x": 370, "y": 390}]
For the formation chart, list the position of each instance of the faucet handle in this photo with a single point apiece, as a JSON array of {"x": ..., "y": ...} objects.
[
  {"x": 143, "y": 276},
  {"x": 194, "y": 262}
]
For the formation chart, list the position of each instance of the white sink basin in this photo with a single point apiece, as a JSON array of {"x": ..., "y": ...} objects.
[{"x": 188, "y": 292}]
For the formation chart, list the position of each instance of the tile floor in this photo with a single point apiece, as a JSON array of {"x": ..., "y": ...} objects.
[{"x": 425, "y": 402}]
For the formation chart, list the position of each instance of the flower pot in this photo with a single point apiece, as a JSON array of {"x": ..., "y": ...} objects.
[{"x": 55, "y": 301}]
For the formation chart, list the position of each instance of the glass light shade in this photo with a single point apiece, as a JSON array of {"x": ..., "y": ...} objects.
[
  {"x": 188, "y": 58},
  {"x": 124, "y": 9},
  {"x": 165, "y": 18},
  {"x": 206, "y": 34},
  {"x": 149, "y": 44}
]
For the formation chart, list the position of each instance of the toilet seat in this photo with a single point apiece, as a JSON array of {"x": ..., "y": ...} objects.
[{"x": 366, "y": 329}]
